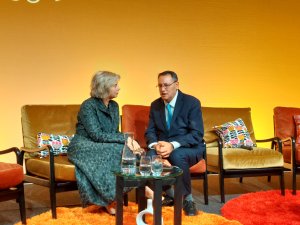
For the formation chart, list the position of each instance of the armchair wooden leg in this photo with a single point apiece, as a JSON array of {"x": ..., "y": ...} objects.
[
  {"x": 241, "y": 179},
  {"x": 269, "y": 179},
  {"x": 294, "y": 174},
  {"x": 22, "y": 206},
  {"x": 205, "y": 188},
  {"x": 53, "y": 201},
  {"x": 282, "y": 186},
  {"x": 221, "y": 177}
]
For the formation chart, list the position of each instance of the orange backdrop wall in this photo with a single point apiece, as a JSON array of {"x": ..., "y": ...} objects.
[{"x": 228, "y": 53}]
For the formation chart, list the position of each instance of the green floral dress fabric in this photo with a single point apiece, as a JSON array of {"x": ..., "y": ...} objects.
[{"x": 96, "y": 151}]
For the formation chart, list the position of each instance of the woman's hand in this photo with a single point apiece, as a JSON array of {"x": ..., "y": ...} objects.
[{"x": 134, "y": 146}]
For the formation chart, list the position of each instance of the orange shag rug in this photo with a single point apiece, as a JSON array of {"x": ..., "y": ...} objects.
[
  {"x": 264, "y": 208},
  {"x": 95, "y": 215}
]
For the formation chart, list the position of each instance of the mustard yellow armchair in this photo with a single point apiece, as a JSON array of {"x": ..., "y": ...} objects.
[
  {"x": 54, "y": 172},
  {"x": 239, "y": 162}
]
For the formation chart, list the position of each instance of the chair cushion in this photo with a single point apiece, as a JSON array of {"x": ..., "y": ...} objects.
[
  {"x": 10, "y": 175},
  {"x": 238, "y": 158},
  {"x": 64, "y": 169},
  {"x": 199, "y": 167},
  {"x": 234, "y": 134},
  {"x": 59, "y": 143}
]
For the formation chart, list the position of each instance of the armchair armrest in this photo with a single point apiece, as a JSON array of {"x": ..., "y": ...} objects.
[
  {"x": 9, "y": 150},
  {"x": 288, "y": 139},
  {"x": 16, "y": 151},
  {"x": 274, "y": 140},
  {"x": 33, "y": 150},
  {"x": 292, "y": 140},
  {"x": 268, "y": 139},
  {"x": 51, "y": 161},
  {"x": 211, "y": 141}
]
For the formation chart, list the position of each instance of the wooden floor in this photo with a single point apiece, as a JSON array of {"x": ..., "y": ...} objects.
[{"x": 37, "y": 197}]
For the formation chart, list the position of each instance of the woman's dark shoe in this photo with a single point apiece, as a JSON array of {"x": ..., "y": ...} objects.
[
  {"x": 168, "y": 201},
  {"x": 189, "y": 208}
]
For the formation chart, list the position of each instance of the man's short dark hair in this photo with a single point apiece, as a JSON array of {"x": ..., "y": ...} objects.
[{"x": 169, "y": 72}]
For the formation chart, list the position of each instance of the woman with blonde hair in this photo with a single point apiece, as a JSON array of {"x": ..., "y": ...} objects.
[{"x": 96, "y": 148}]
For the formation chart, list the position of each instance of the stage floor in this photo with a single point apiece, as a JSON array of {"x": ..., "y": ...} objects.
[{"x": 37, "y": 197}]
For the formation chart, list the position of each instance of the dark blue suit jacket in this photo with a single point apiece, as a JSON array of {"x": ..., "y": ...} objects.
[{"x": 186, "y": 125}]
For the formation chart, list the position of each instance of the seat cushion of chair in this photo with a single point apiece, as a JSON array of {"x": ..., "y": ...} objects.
[
  {"x": 238, "y": 158},
  {"x": 64, "y": 169},
  {"x": 10, "y": 175},
  {"x": 199, "y": 167}
]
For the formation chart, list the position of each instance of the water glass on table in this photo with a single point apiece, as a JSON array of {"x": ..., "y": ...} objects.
[
  {"x": 156, "y": 165},
  {"x": 145, "y": 165}
]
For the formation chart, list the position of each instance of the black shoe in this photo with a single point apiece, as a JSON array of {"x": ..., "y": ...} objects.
[
  {"x": 189, "y": 208},
  {"x": 168, "y": 201}
]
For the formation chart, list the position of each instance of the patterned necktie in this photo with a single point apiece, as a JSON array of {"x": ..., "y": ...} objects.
[{"x": 169, "y": 115}]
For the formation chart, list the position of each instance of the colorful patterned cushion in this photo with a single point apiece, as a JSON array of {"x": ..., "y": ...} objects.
[
  {"x": 59, "y": 143},
  {"x": 234, "y": 134}
]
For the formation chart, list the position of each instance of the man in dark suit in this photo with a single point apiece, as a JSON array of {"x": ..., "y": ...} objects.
[{"x": 175, "y": 131}]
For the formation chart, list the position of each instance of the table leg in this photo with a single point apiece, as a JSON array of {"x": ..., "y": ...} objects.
[
  {"x": 142, "y": 203},
  {"x": 119, "y": 198},
  {"x": 178, "y": 200},
  {"x": 157, "y": 201}
]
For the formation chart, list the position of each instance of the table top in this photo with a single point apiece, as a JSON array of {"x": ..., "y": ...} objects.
[{"x": 168, "y": 172}]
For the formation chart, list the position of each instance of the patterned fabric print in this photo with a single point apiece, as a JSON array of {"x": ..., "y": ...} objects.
[
  {"x": 234, "y": 134},
  {"x": 95, "y": 170},
  {"x": 59, "y": 143},
  {"x": 96, "y": 151}
]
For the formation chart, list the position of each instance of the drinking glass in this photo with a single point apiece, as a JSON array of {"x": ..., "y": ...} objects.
[
  {"x": 156, "y": 165},
  {"x": 145, "y": 165}
]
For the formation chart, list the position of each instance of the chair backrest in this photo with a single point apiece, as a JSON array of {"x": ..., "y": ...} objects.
[
  {"x": 51, "y": 119},
  {"x": 214, "y": 116},
  {"x": 135, "y": 118},
  {"x": 284, "y": 125}
]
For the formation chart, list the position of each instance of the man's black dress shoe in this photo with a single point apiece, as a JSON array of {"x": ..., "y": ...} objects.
[
  {"x": 189, "y": 208},
  {"x": 168, "y": 201}
]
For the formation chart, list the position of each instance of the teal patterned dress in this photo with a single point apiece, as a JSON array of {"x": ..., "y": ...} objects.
[{"x": 96, "y": 151}]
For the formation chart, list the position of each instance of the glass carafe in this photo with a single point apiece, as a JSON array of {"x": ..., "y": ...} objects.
[{"x": 128, "y": 164}]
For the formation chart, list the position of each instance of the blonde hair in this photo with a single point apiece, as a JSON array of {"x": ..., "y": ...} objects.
[{"x": 101, "y": 82}]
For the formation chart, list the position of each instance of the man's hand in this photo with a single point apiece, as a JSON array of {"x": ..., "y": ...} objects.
[{"x": 163, "y": 148}]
